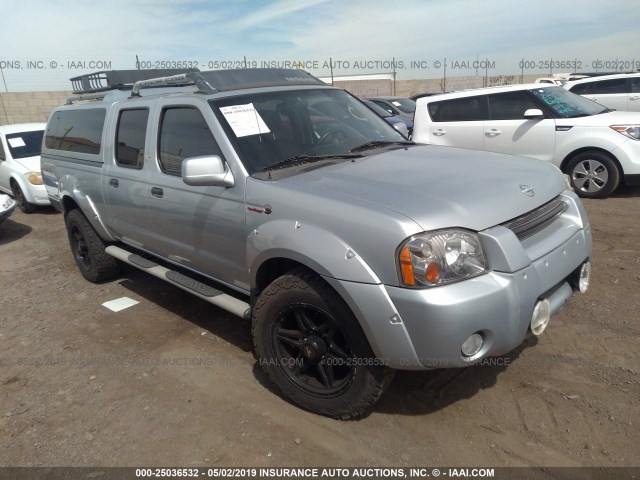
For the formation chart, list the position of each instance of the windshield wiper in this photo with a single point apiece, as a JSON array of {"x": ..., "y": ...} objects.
[
  {"x": 378, "y": 144},
  {"x": 304, "y": 159}
]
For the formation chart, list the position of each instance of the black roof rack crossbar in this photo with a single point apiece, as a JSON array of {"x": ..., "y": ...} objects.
[{"x": 120, "y": 79}]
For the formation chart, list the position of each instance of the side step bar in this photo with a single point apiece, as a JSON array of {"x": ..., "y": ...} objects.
[{"x": 199, "y": 289}]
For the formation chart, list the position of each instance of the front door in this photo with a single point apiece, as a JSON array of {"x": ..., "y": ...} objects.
[
  {"x": 201, "y": 228},
  {"x": 507, "y": 131}
]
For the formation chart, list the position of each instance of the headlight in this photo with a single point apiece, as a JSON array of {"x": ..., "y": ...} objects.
[
  {"x": 631, "y": 131},
  {"x": 440, "y": 257},
  {"x": 34, "y": 178}
]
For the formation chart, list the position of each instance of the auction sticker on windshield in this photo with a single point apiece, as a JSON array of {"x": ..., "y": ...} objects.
[
  {"x": 16, "y": 142},
  {"x": 244, "y": 120}
]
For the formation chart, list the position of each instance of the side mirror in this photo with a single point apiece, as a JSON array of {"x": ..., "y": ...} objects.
[
  {"x": 206, "y": 171},
  {"x": 533, "y": 113}
]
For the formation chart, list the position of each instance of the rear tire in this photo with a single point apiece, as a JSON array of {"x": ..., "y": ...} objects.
[
  {"x": 88, "y": 249},
  {"x": 593, "y": 174},
  {"x": 311, "y": 346},
  {"x": 21, "y": 200}
]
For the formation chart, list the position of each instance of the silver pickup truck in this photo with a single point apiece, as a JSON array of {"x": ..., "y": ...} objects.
[{"x": 353, "y": 251}]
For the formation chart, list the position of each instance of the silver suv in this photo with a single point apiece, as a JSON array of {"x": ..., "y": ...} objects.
[{"x": 287, "y": 201}]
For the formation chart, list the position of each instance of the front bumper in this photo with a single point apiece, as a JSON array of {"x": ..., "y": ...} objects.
[
  {"x": 36, "y": 194},
  {"x": 497, "y": 305},
  {"x": 417, "y": 329},
  {"x": 4, "y": 214}
]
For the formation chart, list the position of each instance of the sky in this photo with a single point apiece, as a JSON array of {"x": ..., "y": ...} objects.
[{"x": 44, "y": 43}]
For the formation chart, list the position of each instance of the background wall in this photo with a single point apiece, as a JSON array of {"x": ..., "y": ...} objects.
[{"x": 25, "y": 107}]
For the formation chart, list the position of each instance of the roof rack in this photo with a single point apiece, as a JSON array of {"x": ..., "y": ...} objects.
[
  {"x": 119, "y": 79},
  {"x": 95, "y": 86},
  {"x": 224, "y": 80}
]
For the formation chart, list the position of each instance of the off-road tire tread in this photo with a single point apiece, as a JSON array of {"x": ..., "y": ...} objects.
[
  {"x": 302, "y": 278},
  {"x": 103, "y": 265}
]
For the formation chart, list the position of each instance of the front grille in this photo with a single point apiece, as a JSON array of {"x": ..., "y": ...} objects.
[{"x": 536, "y": 220}]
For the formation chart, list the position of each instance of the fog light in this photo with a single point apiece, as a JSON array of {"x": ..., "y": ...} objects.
[
  {"x": 541, "y": 316},
  {"x": 472, "y": 345},
  {"x": 583, "y": 279}
]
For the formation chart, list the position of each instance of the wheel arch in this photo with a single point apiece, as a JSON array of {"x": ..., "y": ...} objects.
[
  {"x": 69, "y": 204},
  {"x": 15, "y": 179}
]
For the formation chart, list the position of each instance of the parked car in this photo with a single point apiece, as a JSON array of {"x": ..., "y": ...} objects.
[
  {"x": 404, "y": 126},
  {"x": 286, "y": 201},
  {"x": 598, "y": 148},
  {"x": 20, "y": 175},
  {"x": 619, "y": 92},
  {"x": 424, "y": 94},
  {"x": 552, "y": 81},
  {"x": 7, "y": 206},
  {"x": 403, "y": 107}
]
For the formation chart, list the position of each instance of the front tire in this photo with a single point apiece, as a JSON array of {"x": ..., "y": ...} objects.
[
  {"x": 21, "y": 200},
  {"x": 311, "y": 346},
  {"x": 593, "y": 174},
  {"x": 89, "y": 249}
]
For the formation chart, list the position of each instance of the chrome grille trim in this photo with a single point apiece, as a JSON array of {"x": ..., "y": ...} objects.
[{"x": 536, "y": 220}]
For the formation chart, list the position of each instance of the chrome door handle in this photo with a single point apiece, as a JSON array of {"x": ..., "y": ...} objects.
[
  {"x": 439, "y": 132},
  {"x": 493, "y": 133}
]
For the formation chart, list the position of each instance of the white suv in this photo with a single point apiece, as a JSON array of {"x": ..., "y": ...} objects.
[
  {"x": 620, "y": 92},
  {"x": 595, "y": 146}
]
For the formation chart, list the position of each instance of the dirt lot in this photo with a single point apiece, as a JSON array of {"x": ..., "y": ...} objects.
[{"x": 172, "y": 382}]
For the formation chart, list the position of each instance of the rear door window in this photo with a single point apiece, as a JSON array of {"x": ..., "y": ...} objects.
[
  {"x": 615, "y": 85},
  {"x": 130, "y": 137},
  {"x": 467, "y": 109}
]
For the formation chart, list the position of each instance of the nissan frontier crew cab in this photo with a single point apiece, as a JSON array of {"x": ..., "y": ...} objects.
[{"x": 353, "y": 251}]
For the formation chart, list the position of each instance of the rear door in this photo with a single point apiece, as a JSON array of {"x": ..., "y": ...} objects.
[
  {"x": 507, "y": 131},
  {"x": 457, "y": 122},
  {"x": 126, "y": 176}
]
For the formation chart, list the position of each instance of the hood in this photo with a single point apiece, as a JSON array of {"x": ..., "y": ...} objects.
[
  {"x": 440, "y": 187},
  {"x": 602, "y": 120},
  {"x": 32, "y": 164}
]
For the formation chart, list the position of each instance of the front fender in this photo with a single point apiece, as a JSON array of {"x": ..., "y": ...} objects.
[
  {"x": 318, "y": 249},
  {"x": 347, "y": 273}
]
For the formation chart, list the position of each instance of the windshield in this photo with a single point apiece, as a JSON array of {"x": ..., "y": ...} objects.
[
  {"x": 566, "y": 104},
  {"x": 275, "y": 127},
  {"x": 25, "y": 144}
]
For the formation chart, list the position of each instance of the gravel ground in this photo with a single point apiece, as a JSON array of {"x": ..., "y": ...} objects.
[{"x": 171, "y": 381}]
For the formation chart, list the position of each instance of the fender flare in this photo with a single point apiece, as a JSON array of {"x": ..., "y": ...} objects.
[
  {"x": 68, "y": 188},
  {"x": 310, "y": 245}
]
